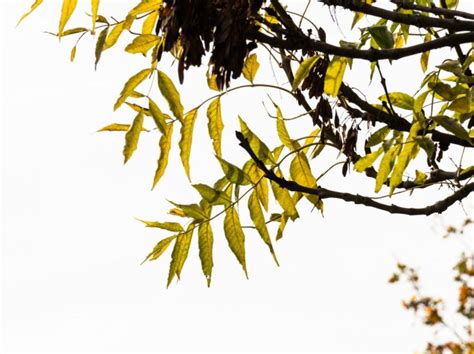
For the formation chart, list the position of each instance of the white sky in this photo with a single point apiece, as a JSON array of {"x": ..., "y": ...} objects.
[{"x": 72, "y": 280}]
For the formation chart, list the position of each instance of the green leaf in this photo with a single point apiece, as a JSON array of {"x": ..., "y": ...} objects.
[
  {"x": 453, "y": 126},
  {"x": 368, "y": 160},
  {"x": 334, "y": 75},
  {"x": 33, "y": 8},
  {"x": 180, "y": 253},
  {"x": 158, "y": 116},
  {"x": 130, "y": 86},
  {"x": 159, "y": 249},
  {"x": 250, "y": 67},
  {"x": 377, "y": 137},
  {"x": 425, "y": 55},
  {"x": 215, "y": 124},
  {"x": 303, "y": 71},
  {"x": 419, "y": 102},
  {"x": 211, "y": 195},
  {"x": 99, "y": 47},
  {"x": 382, "y": 36},
  {"x": 170, "y": 226},
  {"x": 426, "y": 144},
  {"x": 420, "y": 177},
  {"x": 67, "y": 10},
  {"x": 171, "y": 94},
  {"x": 258, "y": 146},
  {"x": 399, "y": 99},
  {"x": 386, "y": 166},
  {"x": 165, "y": 147},
  {"x": 283, "y": 132},
  {"x": 233, "y": 173},
  {"x": 142, "y": 44},
  {"x": 193, "y": 211},
  {"x": 283, "y": 198},
  {"x": 205, "y": 242},
  {"x": 462, "y": 105},
  {"x": 235, "y": 236},
  {"x": 186, "y": 140},
  {"x": 258, "y": 220},
  {"x": 132, "y": 137}
]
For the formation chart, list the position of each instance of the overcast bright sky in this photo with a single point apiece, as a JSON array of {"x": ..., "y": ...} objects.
[{"x": 72, "y": 280}]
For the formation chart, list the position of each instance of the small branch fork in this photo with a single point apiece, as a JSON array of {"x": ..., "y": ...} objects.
[{"x": 324, "y": 193}]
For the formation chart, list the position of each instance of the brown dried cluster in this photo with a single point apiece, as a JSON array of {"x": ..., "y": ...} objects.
[{"x": 220, "y": 27}]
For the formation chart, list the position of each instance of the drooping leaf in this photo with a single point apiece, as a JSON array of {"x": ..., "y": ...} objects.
[
  {"x": 67, "y": 10},
  {"x": 382, "y": 36},
  {"x": 165, "y": 147},
  {"x": 132, "y": 137},
  {"x": 334, "y": 75},
  {"x": 186, "y": 140},
  {"x": 386, "y": 166},
  {"x": 453, "y": 126},
  {"x": 205, "y": 242},
  {"x": 95, "y": 9},
  {"x": 159, "y": 249},
  {"x": 250, "y": 67},
  {"x": 72, "y": 56},
  {"x": 130, "y": 86},
  {"x": 368, "y": 160},
  {"x": 258, "y": 220},
  {"x": 99, "y": 47},
  {"x": 157, "y": 115},
  {"x": 399, "y": 99},
  {"x": 142, "y": 44},
  {"x": 258, "y": 146},
  {"x": 33, "y": 8},
  {"x": 281, "y": 227},
  {"x": 170, "y": 226},
  {"x": 303, "y": 71},
  {"x": 215, "y": 124},
  {"x": 211, "y": 195},
  {"x": 235, "y": 236},
  {"x": 171, "y": 94},
  {"x": 300, "y": 172},
  {"x": 425, "y": 55},
  {"x": 180, "y": 253},
  {"x": 233, "y": 173}
]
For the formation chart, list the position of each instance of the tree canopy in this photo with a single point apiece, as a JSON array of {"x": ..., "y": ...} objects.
[{"x": 404, "y": 142}]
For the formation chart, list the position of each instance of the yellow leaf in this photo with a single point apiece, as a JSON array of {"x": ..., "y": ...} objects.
[
  {"x": 145, "y": 6},
  {"x": 399, "y": 99},
  {"x": 368, "y": 160},
  {"x": 310, "y": 139},
  {"x": 33, "y": 8},
  {"x": 258, "y": 147},
  {"x": 303, "y": 71},
  {"x": 205, "y": 242},
  {"x": 211, "y": 195},
  {"x": 425, "y": 55},
  {"x": 334, "y": 75},
  {"x": 132, "y": 136},
  {"x": 250, "y": 67},
  {"x": 235, "y": 236},
  {"x": 169, "y": 92},
  {"x": 66, "y": 11},
  {"x": 165, "y": 147},
  {"x": 130, "y": 86},
  {"x": 193, "y": 211},
  {"x": 114, "y": 35},
  {"x": 157, "y": 115},
  {"x": 453, "y": 126},
  {"x": 215, "y": 124},
  {"x": 73, "y": 54},
  {"x": 281, "y": 227},
  {"x": 283, "y": 198},
  {"x": 212, "y": 82},
  {"x": 233, "y": 173},
  {"x": 283, "y": 132},
  {"x": 149, "y": 23},
  {"x": 99, "y": 47},
  {"x": 386, "y": 166},
  {"x": 142, "y": 44},
  {"x": 462, "y": 105},
  {"x": 115, "y": 127},
  {"x": 159, "y": 249},
  {"x": 300, "y": 172},
  {"x": 186, "y": 140},
  {"x": 169, "y": 226},
  {"x": 420, "y": 177},
  {"x": 95, "y": 9},
  {"x": 260, "y": 184},
  {"x": 258, "y": 220},
  {"x": 180, "y": 253}
]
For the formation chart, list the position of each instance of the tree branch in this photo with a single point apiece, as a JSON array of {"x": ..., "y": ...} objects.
[
  {"x": 433, "y": 9},
  {"x": 323, "y": 193}
]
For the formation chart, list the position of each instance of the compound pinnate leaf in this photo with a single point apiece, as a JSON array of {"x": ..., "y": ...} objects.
[
  {"x": 235, "y": 236},
  {"x": 186, "y": 140},
  {"x": 130, "y": 86},
  {"x": 171, "y": 94},
  {"x": 193, "y": 211},
  {"x": 215, "y": 124},
  {"x": 165, "y": 147},
  {"x": 132, "y": 137}
]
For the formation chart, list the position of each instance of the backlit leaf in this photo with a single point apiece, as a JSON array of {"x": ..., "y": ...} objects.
[
  {"x": 170, "y": 226},
  {"x": 283, "y": 198},
  {"x": 73, "y": 53},
  {"x": 193, "y": 211},
  {"x": 95, "y": 9},
  {"x": 150, "y": 22},
  {"x": 303, "y": 71},
  {"x": 33, "y": 8},
  {"x": 420, "y": 101},
  {"x": 377, "y": 137},
  {"x": 420, "y": 177},
  {"x": 382, "y": 36},
  {"x": 99, "y": 47},
  {"x": 386, "y": 166},
  {"x": 300, "y": 172},
  {"x": 130, "y": 86},
  {"x": 250, "y": 67},
  {"x": 180, "y": 253},
  {"x": 132, "y": 136},
  {"x": 186, "y": 140},
  {"x": 462, "y": 105},
  {"x": 67, "y": 10},
  {"x": 165, "y": 147},
  {"x": 281, "y": 227},
  {"x": 258, "y": 146},
  {"x": 142, "y": 44},
  {"x": 115, "y": 127},
  {"x": 334, "y": 75},
  {"x": 211, "y": 195},
  {"x": 205, "y": 242},
  {"x": 159, "y": 249},
  {"x": 215, "y": 124},
  {"x": 261, "y": 184},
  {"x": 235, "y": 236},
  {"x": 145, "y": 6},
  {"x": 114, "y": 35},
  {"x": 453, "y": 126},
  {"x": 425, "y": 55},
  {"x": 283, "y": 132},
  {"x": 157, "y": 115},
  {"x": 399, "y": 99},
  {"x": 368, "y": 160},
  {"x": 171, "y": 94},
  {"x": 233, "y": 173},
  {"x": 258, "y": 220}
]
